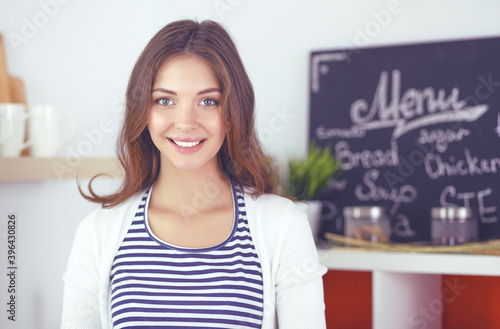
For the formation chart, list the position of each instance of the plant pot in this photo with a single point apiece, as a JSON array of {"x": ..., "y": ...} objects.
[{"x": 313, "y": 210}]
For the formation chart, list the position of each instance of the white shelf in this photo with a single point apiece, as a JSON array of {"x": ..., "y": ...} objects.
[{"x": 417, "y": 263}]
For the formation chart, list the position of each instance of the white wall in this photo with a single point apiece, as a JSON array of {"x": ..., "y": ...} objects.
[{"x": 81, "y": 54}]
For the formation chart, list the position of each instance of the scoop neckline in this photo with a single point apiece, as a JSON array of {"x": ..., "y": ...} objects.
[{"x": 186, "y": 249}]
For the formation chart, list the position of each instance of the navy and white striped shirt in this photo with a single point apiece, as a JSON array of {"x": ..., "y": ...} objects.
[{"x": 158, "y": 285}]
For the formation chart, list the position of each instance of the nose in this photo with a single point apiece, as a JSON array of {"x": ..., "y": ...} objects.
[{"x": 186, "y": 118}]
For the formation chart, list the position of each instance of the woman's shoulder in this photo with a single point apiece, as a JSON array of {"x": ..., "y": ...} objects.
[
  {"x": 274, "y": 208},
  {"x": 268, "y": 199},
  {"x": 102, "y": 220},
  {"x": 274, "y": 220}
]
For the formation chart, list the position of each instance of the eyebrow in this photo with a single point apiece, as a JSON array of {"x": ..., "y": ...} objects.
[{"x": 204, "y": 91}]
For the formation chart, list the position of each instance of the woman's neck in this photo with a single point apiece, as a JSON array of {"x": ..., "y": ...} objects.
[{"x": 191, "y": 192}]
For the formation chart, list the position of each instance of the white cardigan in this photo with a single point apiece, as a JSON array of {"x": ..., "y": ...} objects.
[{"x": 291, "y": 272}]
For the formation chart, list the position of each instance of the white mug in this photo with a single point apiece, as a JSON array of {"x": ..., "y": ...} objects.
[
  {"x": 13, "y": 118},
  {"x": 45, "y": 127}
]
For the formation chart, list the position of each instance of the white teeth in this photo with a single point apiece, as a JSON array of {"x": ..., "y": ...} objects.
[{"x": 186, "y": 144}]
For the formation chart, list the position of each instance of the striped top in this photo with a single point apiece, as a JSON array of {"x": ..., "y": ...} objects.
[{"x": 159, "y": 285}]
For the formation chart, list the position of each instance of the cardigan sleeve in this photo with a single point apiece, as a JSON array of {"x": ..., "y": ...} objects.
[
  {"x": 81, "y": 281},
  {"x": 299, "y": 285}
]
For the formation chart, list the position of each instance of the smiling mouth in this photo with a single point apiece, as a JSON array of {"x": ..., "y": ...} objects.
[{"x": 186, "y": 144}]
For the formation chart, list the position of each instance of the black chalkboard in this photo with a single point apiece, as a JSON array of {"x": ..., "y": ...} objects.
[{"x": 415, "y": 127}]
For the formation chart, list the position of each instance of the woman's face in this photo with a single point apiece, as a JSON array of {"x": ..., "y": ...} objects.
[{"x": 185, "y": 121}]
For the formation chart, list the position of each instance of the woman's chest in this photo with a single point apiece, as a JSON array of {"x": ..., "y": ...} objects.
[{"x": 156, "y": 284}]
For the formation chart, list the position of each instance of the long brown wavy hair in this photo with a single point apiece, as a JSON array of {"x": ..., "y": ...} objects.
[{"x": 240, "y": 158}]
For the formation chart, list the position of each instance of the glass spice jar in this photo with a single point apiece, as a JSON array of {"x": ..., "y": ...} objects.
[
  {"x": 369, "y": 223},
  {"x": 453, "y": 225}
]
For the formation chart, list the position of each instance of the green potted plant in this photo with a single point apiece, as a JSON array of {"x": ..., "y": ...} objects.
[{"x": 307, "y": 178}]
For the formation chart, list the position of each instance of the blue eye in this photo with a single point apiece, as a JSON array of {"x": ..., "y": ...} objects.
[
  {"x": 163, "y": 101},
  {"x": 209, "y": 102}
]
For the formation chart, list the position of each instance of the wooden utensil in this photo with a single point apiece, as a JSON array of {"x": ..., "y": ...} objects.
[
  {"x": 17, "y": 93},
  {"x": 4, "y": 77}
]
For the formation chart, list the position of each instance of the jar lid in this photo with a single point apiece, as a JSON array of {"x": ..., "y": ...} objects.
[
  {"x": 373, "y": 212},
  {"x": 451, "y": 213}
]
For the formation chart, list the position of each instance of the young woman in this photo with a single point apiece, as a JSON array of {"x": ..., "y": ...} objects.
[{"x": 196, "y": 237}]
